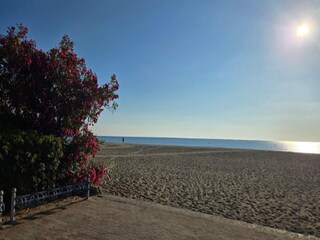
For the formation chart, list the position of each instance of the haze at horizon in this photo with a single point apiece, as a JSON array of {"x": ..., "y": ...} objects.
[{"x": 200, "y": 69}]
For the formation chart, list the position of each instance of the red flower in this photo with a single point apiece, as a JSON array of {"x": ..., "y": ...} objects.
[{"x": 3, "y": 41}]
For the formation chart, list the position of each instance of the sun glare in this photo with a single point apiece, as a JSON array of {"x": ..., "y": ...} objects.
[
  {"x": 303, "y": 30},
  {"x": 304, "y": 147}
]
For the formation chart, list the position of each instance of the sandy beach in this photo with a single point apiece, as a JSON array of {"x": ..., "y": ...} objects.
[{"x": 273, "y": 189}]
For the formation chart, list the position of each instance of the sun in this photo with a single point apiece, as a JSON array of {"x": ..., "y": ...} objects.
[{"x": 303, "y": 30}]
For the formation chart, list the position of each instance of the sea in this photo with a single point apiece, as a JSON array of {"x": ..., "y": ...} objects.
[{"x": 282, "y": 146}]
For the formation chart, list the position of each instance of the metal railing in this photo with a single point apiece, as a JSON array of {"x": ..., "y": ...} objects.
[
  {"x": 26, "y": 200},
  {"x": 2, "y": 208}
]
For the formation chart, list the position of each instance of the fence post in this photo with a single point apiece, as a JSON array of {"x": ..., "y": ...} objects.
[
  {"x": 88, "y": 187},
  {"x": 1, "y": 208},
  {"x": 13, "y": 204}
]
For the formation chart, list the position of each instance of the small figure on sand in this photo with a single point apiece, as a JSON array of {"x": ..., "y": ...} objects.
[{"x": 122, "y": 139}]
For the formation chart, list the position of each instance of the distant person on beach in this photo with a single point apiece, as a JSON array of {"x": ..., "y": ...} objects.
[{"x": 122, "y": 139}]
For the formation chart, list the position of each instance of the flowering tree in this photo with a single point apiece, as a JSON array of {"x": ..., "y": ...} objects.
[{"x": 53, "y": 94}]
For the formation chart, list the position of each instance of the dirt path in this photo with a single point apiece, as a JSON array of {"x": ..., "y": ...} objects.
[{"x": 110, "y": 217}]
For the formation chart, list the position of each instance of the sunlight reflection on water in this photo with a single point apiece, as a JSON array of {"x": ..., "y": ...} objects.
[{"x": 303, "y": 147}]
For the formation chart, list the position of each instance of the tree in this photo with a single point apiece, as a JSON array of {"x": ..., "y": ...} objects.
[{"x": 52, "y": 95}]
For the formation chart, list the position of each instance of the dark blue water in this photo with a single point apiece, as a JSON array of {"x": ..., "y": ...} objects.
[{"x": 283, "y": 146}]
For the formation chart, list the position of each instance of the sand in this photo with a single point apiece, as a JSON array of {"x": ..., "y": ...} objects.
[{"x": 273, "y": 189}]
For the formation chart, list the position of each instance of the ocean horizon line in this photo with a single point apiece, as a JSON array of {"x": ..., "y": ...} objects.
[
  {"x": 205, "y": 138},
  {"x": 280, "y": 146}
]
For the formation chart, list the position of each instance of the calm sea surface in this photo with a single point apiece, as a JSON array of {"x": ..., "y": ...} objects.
[{"x": 283, "y": 146}]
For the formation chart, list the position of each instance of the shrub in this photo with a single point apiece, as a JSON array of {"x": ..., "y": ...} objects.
[
  {"x": 52, "y": 99},
  {"x": 29, "y": 161}
]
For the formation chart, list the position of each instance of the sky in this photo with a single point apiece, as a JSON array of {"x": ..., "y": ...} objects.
[{"x": 192, "y": 68}]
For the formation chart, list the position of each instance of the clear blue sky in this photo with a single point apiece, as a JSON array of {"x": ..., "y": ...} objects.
[{"x": 202, "y": 69}]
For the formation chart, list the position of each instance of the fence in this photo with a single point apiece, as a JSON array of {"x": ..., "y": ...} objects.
[
  {"x": 2, "y": 208},
  {"x": 40, "y": 197}
]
